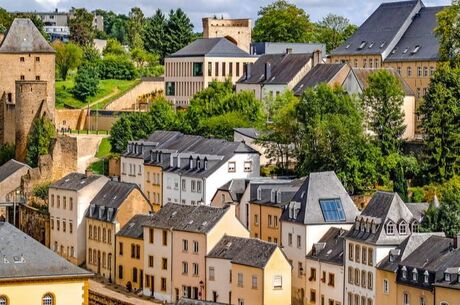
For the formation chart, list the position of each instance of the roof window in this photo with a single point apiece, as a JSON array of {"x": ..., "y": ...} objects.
[
  {"x": 415, "y": 50},
  {"x": 362, "y": 45},
  {"x": 405, "y": 50},
  {"x": 383, "y": 44},
  {"x": 347, "y": 46},
  {"x": 371, "y": 45}
]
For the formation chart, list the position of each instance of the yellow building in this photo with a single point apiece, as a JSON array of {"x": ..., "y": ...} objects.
[
  {"x": 447, "y": 293},
  {"x": 114, "y": 205},
  {"x": 33, "y": 274},
  {"x": 246, "y": 271},
  {"x": 153, "y": 184},
  {"x": 130, "y": 253}
]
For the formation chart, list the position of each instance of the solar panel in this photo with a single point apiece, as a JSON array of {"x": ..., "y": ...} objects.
[{"x": 332, "y": 210}]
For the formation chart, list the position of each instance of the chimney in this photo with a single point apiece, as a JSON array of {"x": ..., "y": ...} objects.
[
  {"x": 289, "y": 51},
  {"x": 88, "y": 172},
  {"x": 248, "y": 71},
  {"x": 316, "y": 58},
  {"x": 457, "y": 241},
  {"x": 268, "y": 71}
]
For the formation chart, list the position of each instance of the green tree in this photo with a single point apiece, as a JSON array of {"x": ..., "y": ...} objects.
[
  {"x": 282, "y": 22},
  {"x": 81, "y": 27},
  {"x": 154, "y": 33},
  {"x": 40, "y": 137},
  {"x": 135, "y": 25},
  {"x": 440, "y": 113},
  {"x": 5, "y": 20},
  {"x": 383, "y": 100},
  {"x": 334, "y": 30},
  {"x": 68, "y": 57},
  {"x": 117, "y": 67},
  {"x": 448, "y": 32},
  {"x": 114, "y": 47},
  {"x": 7, "y": 152},
  {"x": 86, "y": 82},
  {"x": 179, "y": 31}
]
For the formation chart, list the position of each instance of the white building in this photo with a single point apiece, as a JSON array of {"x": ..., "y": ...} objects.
[
  {"x": 321, "y": 203},
  {"x": 382, "y": 226},
  {"x": 69, "y": 198}
]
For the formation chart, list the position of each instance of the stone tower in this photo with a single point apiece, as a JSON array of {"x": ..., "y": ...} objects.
[
  {"x": 25, "y": 55},
  {"x": 31, "y": 103},
  {"x": 237, "y": 31}
]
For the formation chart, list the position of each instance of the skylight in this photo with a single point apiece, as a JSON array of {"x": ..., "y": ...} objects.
[
  {"x": 362, "y": 45},
  {"x": 332, "y": 210},
  {"x": 416, "y": 49}
]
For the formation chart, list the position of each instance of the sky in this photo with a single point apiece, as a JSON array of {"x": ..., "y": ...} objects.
[{"x": 355, "y": 10}]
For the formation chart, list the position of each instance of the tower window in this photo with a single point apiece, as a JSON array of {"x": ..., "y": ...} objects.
[
  {"x": 37, "y": 59},
  {"x": 23, "y": 77},
  {"x": 22, "y": 59},
  {"x": 37, "y": 77}
]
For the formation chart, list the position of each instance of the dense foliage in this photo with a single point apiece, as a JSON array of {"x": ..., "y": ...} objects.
[
  {"x": 39, "y": 140},
  {"x": 86, "y": 82},
  {"x": 333, "y": 30},
  {"x": 7, "y": 152},
  {"x": 68, "y": 57},
  {"x": 81, "y": 27}
]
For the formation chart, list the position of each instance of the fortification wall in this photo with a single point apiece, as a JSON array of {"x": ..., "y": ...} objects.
[
  {"x": 74, "y": 119},
  {"x": 239, "y": 31}
]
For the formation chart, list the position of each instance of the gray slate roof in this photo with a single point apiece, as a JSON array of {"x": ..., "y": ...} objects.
[
  {"x": 236, "y": 188},
  {"x": 248, "y": 132},
  {"x": 244, "y": 251},
  {"x": 24, "y": 37},
  {"x": 134, "y": 227},
  {"x": 362, "y": 75},
  {"x": 22, "y": 257},
  {"x": 74, "y": 181},
  {"x": 284, "y": 67},
  {"x": 320, "y": 185},
  {"x": 418, "y": 209},
  {"x": 420, "y": 33},
  {"x": 380, "y": 30},
  {"x": 184, "y": 301},
  {"x": 198, "y": 219},
  {"x": 322, "y": 73},
  {"x": 211, "y": 47},
  {"x": 330, "y": 247},
  {"x": 105, "y": 204},
  {"x": 10, "y": 168},
  {"x": 283, "y": 191}
]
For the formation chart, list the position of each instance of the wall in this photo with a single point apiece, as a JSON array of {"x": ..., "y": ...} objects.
[
  {"x": 245, "y": 291},
  {"x": 128, "y": 262},
  {"x": 65, "y": 291},
  {"x": 380, "y": 295},
  {"x": 221, "y": 284},
  {"x": 128, "y": 101},
  {"x": 132, "y": 171},
  {"x": 11, "y": 183},
  {"x": 449, "y": 296},
  {"x": 103, "y": 246},
  {"x": 262, "y": 229},
  {"x": 264, "y": 159},
  {"x": 236, "y": 30},
  {"x": 35, "y": 223},
  {"x": 153, "y": 185},
  {"x": 329, "y": 292},
  {"x": 74, "y": 119},
  {"x": 277, "y": 266},
  {"x": 415, "y": 294}
]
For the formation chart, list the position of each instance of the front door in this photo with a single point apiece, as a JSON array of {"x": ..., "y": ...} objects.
[{"x": 141, "y": 278}]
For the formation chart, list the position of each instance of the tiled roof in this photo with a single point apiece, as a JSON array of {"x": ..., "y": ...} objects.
[
  {"x": 330, "y": 247},
  {"x": 10, "y": 168},
  {"x": 322, "y": 73},
  {"x": 362, "y": 75},
  {"x": 22, "y": 257},
  {"x": 284, "y": 67},
  {"x": 24, "y": 37},
  {"x": 211, "y": 47},
  {"x": 134, "y": 227},
  {"x": 74, "y": 181},
  {"x": 199, "y": 219},
  {"x": 244, "y": 251},
  {"x": 306, "y": 202}
]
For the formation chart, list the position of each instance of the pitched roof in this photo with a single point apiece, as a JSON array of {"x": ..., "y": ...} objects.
[
  {"x": 105, "y": 204},
  {"x": 10, "y": 167},
  {"x": 25, "y": 258},
  {"x": 244, "y": 251},
  {"x": 283, "y": 68},
  {"x": 418, "y": 209},
  {"x": 305, "y": 207},
  {"x": 322, "y": 73},
  {"x": 198, "y": 219},
  {"x": 330, "y": 247},
  {"x": 75, "y": 181},
  {"x": 275, "y": 193},
  {"x": 384, "y": 207},
  {"x": 134, "y": 227},
  {"x": 381, "y": 30},
  {"x": 24, "y": 37},
  {"x": 211, "y": 47},
  {"x": 236, "y": 188},
  {"x": 185, "y": 301},
  {"x": 248, "y": 132},
  {"x": 420, "y": 33},
  {"x": 362, "y": 75}
]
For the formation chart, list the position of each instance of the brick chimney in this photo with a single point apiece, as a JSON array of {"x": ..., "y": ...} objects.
[{"x": 316, "y": 58}]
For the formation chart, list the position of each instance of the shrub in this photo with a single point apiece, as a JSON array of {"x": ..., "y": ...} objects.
[{"x": 117, "y": 67}]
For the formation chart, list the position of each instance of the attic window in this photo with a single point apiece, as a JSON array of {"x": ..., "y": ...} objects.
[
  {"x": 426, "y": 277},
  {"x": 414, "y": 275},
  {"x": 259, "y": 194},
  {"x": 382, "y": 45},
  {"x": 403, "y": 228},
  {"x": 273, "y": 196},
  {"x": 348, "y": 46},
  {"x": 362, "y": 45},
  {"x": 332, "y": 210},
  {"x": 447, "y": 277},
  {"x": 417, "y": 47},
  {"x": 394, "y": 51},
  {"x": 404, "y": 272},
  {"x": 405, "y": 50},
  {"x": 390, "y": 228},
  {"x": 371, "y": 45}
]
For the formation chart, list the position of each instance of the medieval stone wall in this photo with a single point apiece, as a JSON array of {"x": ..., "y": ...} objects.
[{"x": 236, "y": 30}]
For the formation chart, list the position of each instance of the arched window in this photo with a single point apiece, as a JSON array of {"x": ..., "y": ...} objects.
[
  {"x": 48, "y": 299},
  {"x": 414, "y": 226},
  {"x": 90, "y": 231},
  {"x": 3, "y": 300},
  {"x": 104, "y": 235},
  {"x": 95, "y": 232},
  {"x": 90, "y": 256},
  {"x": 390, "y": 228},
  {"x": 402, "y": 228}
]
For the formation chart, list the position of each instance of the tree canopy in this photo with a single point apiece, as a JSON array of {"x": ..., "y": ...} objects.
[
  {"x": 333, "y": 30},
  {"x": 68, "y": 57},
  {"x": 39, "y": 140},
  {"x": 81, "y": 27}
]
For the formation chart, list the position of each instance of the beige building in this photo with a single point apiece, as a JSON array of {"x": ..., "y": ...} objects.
[
  {"x": 237, "y": 31},
  {"x": 10, "y": 184},
  {"x": 69, "y": 198},
  {"x": 114, "y": 205},
  {"x": 27, "y": 72},
  {"x": 246, "y": 271},
  {"x": 33, "y": 274},
  {"x": 193, "y": 67},
  {"x": 177, "y": 240}
]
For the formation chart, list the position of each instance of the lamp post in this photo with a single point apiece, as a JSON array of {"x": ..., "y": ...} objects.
[{"x": 15, "y": 202}]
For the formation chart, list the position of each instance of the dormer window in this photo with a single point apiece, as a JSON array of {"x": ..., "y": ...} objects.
[
  {"x": 415, "y": 50},
  {"x": 198, "y": 163},
  {"x": 405, "y": 50},
  {"x": 278, "y": 197},
  {"x": 259, "y": 194},
  {"x": 362, "y": 45},
  {"x": 414, "y": 275},
  {"x": 371, "y": 45},
  {"x": 382, "y": 45},
  {"x": 447, "y": 277},
  {"x": 414, "y": 226},
  {"x": 391, "y": 257},
  {"x": 390, "y": 228},
  {"x": 404, "y": 272},
  {"x": 190, "y": 162},
  {"x": 205, "y": 164},
  {"x": 403, "y": 228},
  {"x": 426, "y": 277},
  {"x": 273, "y": 196}
]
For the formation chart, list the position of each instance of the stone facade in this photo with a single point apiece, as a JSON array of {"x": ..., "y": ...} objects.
[
  {"x": 35, "y": 223},
  {"x": 237, "y": 31}
]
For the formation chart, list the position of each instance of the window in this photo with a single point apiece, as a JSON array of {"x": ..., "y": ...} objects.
[
  {"x": 254, "y": 282},
  {"x": 403, "y": 228},
  {"x": 299, "y": 268},
  {"x": 216, "y": 68},
  {"x": 165, "y": 238},
  {"x": 256, "y": 219},
  {"x": 198, "y": 186},
  {"x": 290, "y": 239},
  {"x": 425, "y": 71},
  {"x": 195, "y": 246},
  {"x": 248, "y": 166},
  {"x": 193, "y": 185},
  {"x": 406, "y": 298},
  {"x": 299, "y": 241},
  {"x": 151, "y": 261},
  {"x": 231, "y": 167},
  {"x": 447, "y": 277},
  {"x": 419, "y": 71},
  {"x": 184, "y": 187},
  {"x": 404, "y": 272},
  {"x": 350, "y": 275},
  {"x": 363, "y": 278},
  {"x": 185, "y": 245},
  {"x": 3, "y": 300},
  {"x": 120, "y": 248},
  {"x": 386, "y": 286},
  {"x": 197, "y": 69},
  {"x": 370, "y": 257},
  {"x": 409, "y": 71},
  {"x": 332, "y": 210},
  {"x": 390, "y": 228},
  {"x": 422, "y": 301},
  {"x": 71, "y": 203},
  {"x": 364, "y": 255},
  {"x": 237, "y": 68},
  {"x": 224, "y": 70},
  {"x": 134, "y": 275},
  {"x": 357, "y": 277},
  {"x": 240, "y": 301},
  {"x": 37, "y": 59},
  {"x": 170, "y": 88},
  {"x": 164, "y": 263},
  {"x": 21, "y": 59},
  {"x": 209, "y": 68},
  {"x": 414, "y": 275},
  {"x": 312, "y": 296},
  {"x": 163, "y": 284},
  {"x": 70, "y": 227},
  {"x": 196, "y": 269},
  {"x": 37, "y": 77},
  {"x": 357, "y": 253},
  {"x": 240, "y": 279},
  {"x": 426, "y": 277},
  {"x": 350, "y": 251},
  {"x": 370, "y": 280},
  {"x": 331, "y": 281},
  {"x": 184, "y": 268},
  {"x": 211, "y": 274},
  {"x": 277, "y": 282},
  {"x": 48, "y": 299}
]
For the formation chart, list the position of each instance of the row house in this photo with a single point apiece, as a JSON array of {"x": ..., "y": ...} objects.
[
  {"x": 69, "y": 198},
  {"x": 320, "y": 203},
  {"x": 114, "y": 205},
  {"x": 243, "y": 271},
  {"x": 273, "y": 74},
  {"x": 194, "y": 67},
  {"x": 324, "y": 269},
  {"x": 176, "y": 242}
]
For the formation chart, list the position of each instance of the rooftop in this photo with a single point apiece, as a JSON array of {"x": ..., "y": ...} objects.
[
  {"x": 9, "y": 168},
  {"x": 322, "y": 73},
  {"x": 74, "y": 181},
  {"x": 211, "y": 47},
  {"x": 24, "y": 37},
  {"x": 362, "y": 75},
  {"x": 330, "y": 247},
  {"x": 134, "y": 227}
]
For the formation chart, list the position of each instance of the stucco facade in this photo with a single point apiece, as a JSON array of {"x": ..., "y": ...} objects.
[
  {"x": 265, "y": 222},
  {"x": 130, "y": 256},
  {"x": 153, "y": 185}
]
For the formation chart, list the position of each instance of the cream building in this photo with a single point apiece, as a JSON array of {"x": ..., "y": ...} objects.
[
  {"x": 246, "y": 271},
  {"x": 33, "y": 274},
  {"x": 69, "y": 198},
  {"x": 193, "y": 67}
]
